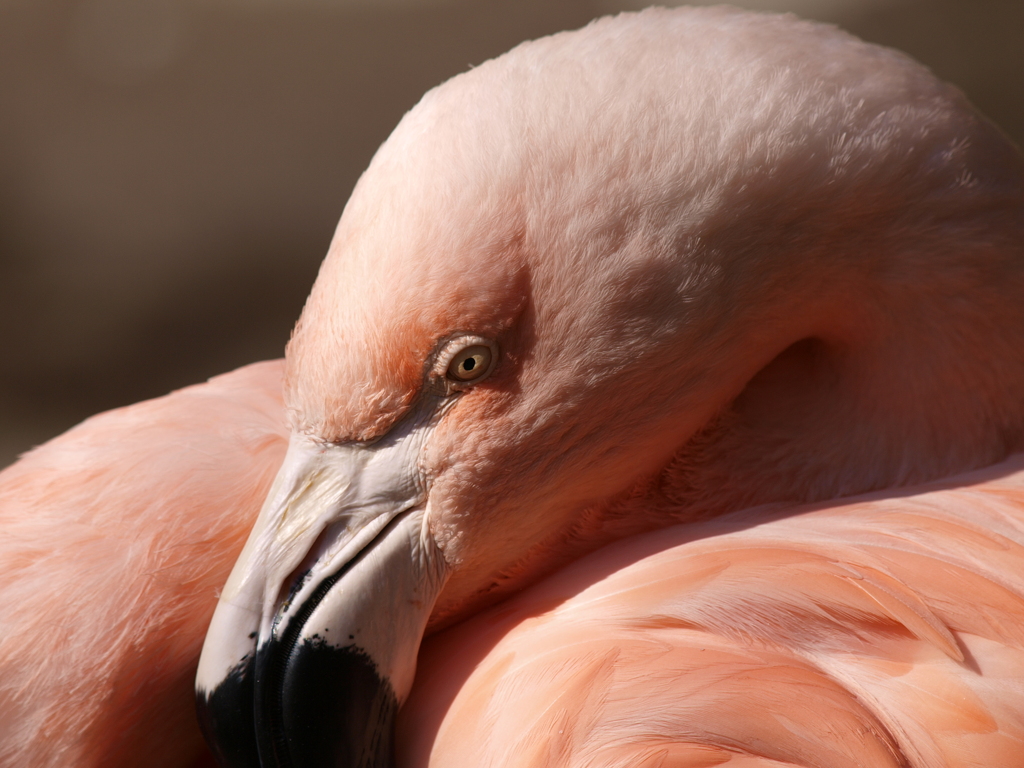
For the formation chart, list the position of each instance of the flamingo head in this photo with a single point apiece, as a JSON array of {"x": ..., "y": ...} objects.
[{"x": 654, "y": 259}]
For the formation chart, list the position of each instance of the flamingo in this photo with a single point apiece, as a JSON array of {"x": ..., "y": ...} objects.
[{"x": 660, "y": 281}]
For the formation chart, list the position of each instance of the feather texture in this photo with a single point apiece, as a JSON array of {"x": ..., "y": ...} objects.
[
  {"x": 116, "y": 539},
  {"x": 883, "y": 631}
]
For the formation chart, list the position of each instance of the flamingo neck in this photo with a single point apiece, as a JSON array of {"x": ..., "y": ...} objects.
[{"x": 924, "y": 384}]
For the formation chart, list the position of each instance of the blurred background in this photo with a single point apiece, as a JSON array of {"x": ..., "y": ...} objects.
[{"x": 171, "y": 171}]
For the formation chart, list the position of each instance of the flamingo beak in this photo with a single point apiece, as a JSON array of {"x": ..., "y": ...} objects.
[{"x": 313, "y": 643}]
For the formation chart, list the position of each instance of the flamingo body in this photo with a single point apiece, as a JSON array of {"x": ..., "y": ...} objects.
[
  {"x": 116, "y": 537},
  {"x": 882, "y": 631}
]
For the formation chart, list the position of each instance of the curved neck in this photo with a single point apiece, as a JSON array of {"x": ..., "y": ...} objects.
[{"x": 916, "y": 381}]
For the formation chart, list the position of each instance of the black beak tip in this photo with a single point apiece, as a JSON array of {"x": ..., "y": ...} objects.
[
  {"x": 329, "y": 707},
  {"x": 317, "y": 706},
  {"x": 227, "y": 720}
]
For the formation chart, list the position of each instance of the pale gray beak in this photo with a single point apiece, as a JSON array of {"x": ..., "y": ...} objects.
[{"x": 313, "y": 643}]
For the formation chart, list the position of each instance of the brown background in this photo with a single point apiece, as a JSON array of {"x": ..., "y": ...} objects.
[{"x": 171, "y": 171}]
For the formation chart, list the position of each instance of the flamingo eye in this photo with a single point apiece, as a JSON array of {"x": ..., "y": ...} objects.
[
  {"x": 462, "y": 362},
  {"x": 471, "y": 363}
]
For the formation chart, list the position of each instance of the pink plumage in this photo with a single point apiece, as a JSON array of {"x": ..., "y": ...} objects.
[
  {"x": 116, "y": 537},
  {"x": 882, "y": 631}
]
